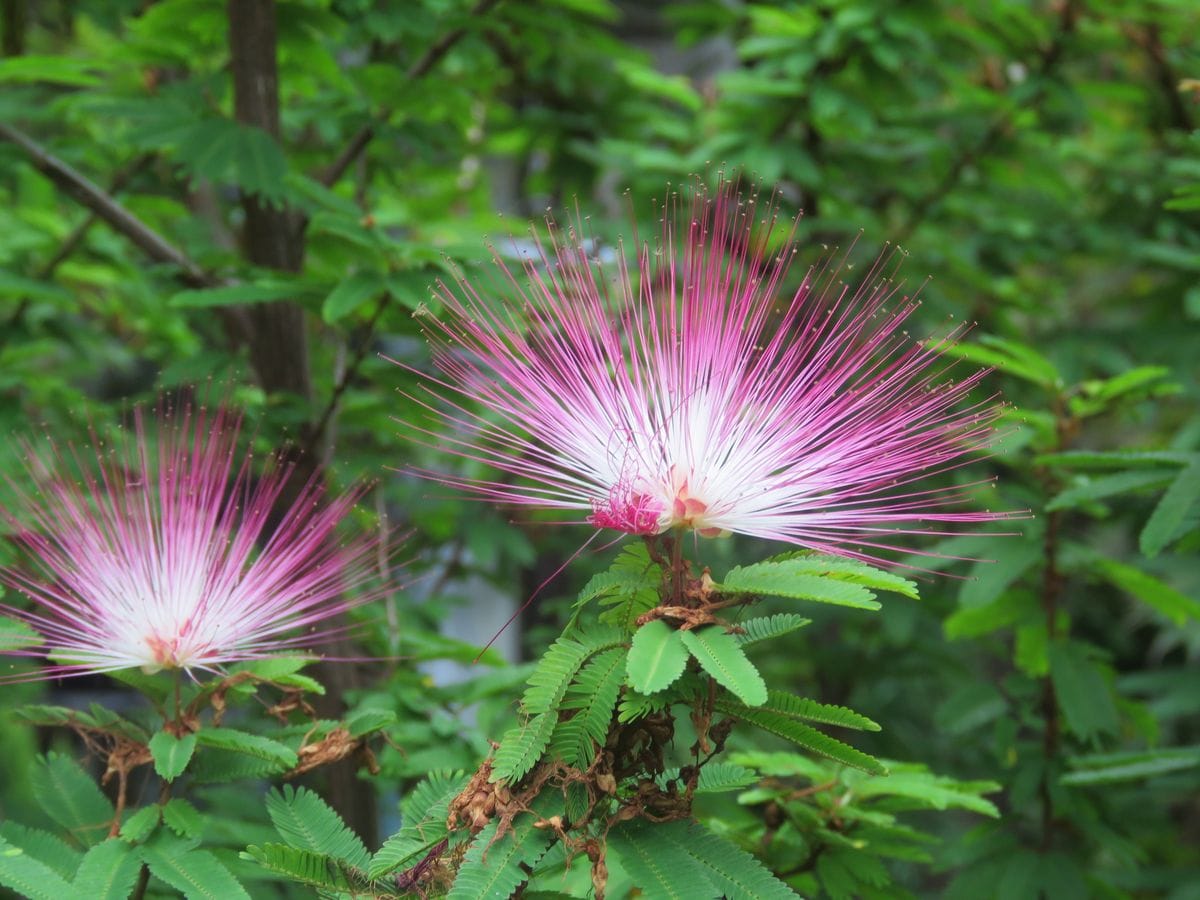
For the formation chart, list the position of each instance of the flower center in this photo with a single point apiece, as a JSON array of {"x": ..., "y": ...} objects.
[{"x": 627, "y": 510}]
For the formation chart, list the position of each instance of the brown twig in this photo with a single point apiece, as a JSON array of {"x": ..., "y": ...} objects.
[{"x": 106, "y": 207}]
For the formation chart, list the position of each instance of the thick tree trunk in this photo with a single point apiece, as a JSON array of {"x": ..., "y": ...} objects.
[{"x": 279, "y": 341}]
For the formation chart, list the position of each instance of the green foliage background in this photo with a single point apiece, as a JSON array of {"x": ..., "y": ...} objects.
[{"x": 1038, "y": 161}]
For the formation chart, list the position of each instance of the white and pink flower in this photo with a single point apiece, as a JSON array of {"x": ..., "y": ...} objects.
[
  {"x": 167, "y": 552},
  {"x": 694, "y": 391}
]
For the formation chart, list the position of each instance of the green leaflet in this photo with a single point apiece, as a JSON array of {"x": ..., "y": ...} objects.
[
  {"x": 171, "y": 753},
  {"x": 782, "y": 725},
  {"x": 308, "y": 867},
  {"x": 182, "y": 818},
  {"x": 521, "y": 747},
  {"x": 495, "y": 867},
  {"x": 425, "y": 813},
  {"x": 1082, "y": 692},
  {"x": 306, "y": 822},
  {"x": 793, "y": 578},
  {"x": 108, "y": 871},
  {"x": 802, "y": 708},
  {"x": 1176, "y": 606},
  {"x": 554, "y": 671},
  {"x": 1107, "y": 768},
  {"x": 687, "y": 861},
  {"x": 197, "y": 873},
  {"x": 279, "y": 755},
  {"x": 656, "y": 658},
  {"x": 594, "y": 695},
  {"x": 31, "y": 877},
  {"x": 1172, "y": 510},
  {"x": 71, "y": 798},
  {"x": 720, "y": 656},
  {"x": 42, "y": 846},
  {"x": 765, "y": 628}
]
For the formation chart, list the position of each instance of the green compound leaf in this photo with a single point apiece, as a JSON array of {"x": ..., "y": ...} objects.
[
  {"x": 42, "y": 846},
  {"x": 424, "y": 818},
  {"x": 171, "y": 753},
  {"x": 1176, "y": 606},
  {"x": 794, "y": 579},
  {"x": 765, "y": 628},
  {"x": 715, "y": 778},
  {"x": 593, "y": 695},
  {"x": 108, "y": 871},
  {"x": 196, "y": 873},
  {"x": 851, "y": 571},
  {"x": 28, "y": 876},
  {"x": 1090, "y": 490},
  {"x": 691, "y": 850},
  {"x": 627, "y": 589},
  {"x": 554, "y": 671},
  {"x": 1169, "y": 515},
  {"x": 720, "y": 656},
  {"x": 521, "y": 747},
  {"x": 1107, "y": 768},
  {"x": 306, "y": 822},
  {"x": 279, "y": 755},
  {"x": 70, "y": 797},
  {"x": 495, "y": 867},
  {"x": 310, "y": 868},
  {"x": 1082, "y": 691},
  {"x": 803, "y": 735},
  {"x": 656, "y": 657},
  {"x": 802, "y": 708}
]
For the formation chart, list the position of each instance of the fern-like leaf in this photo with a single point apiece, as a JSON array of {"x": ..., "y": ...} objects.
[
  {"x": 810, "y": 710},
  {"x": 310, "y": 868},
  {"x": 594, "y": 695},
  {"x": 558, "y": 666},
  {"x": 626, "y": 590},
  {"x": 734, "y": 873},
  {"x": 108, "y": 871},
  {"x": 655, "y": 867},
  {"x": 306, "y": 822},
  {"x": 521, "y": 747},
  {"x": 804, "y": 735},
  {"x": 71, "y": 798},
  {"x": 851, "y": 571},
  {"x": 495, "y": 866},
  {"x": 791, "y": 578},
  {"x": 29, "y": 876},
  {"x": 197, "y": 874},
  {"x": 635, "y": 705},
  {"x": 715, "y": 778},
  {"x": 42, "y": 846},
  {"x": 425, "y": 812},
  {"x": 765, "y": 628}
]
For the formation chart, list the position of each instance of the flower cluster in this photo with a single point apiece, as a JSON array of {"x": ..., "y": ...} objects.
[
  {"x": 696, "y": 390},
  {"x": 166, "y": 552}
]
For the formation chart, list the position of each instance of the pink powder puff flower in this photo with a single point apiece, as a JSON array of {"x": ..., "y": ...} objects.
[
  {"x": 163, "y": 555},
  {"x": 694, "y": 391}
]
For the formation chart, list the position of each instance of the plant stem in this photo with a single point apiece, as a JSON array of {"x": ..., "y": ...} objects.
[{"x": 139, "y": 890}]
